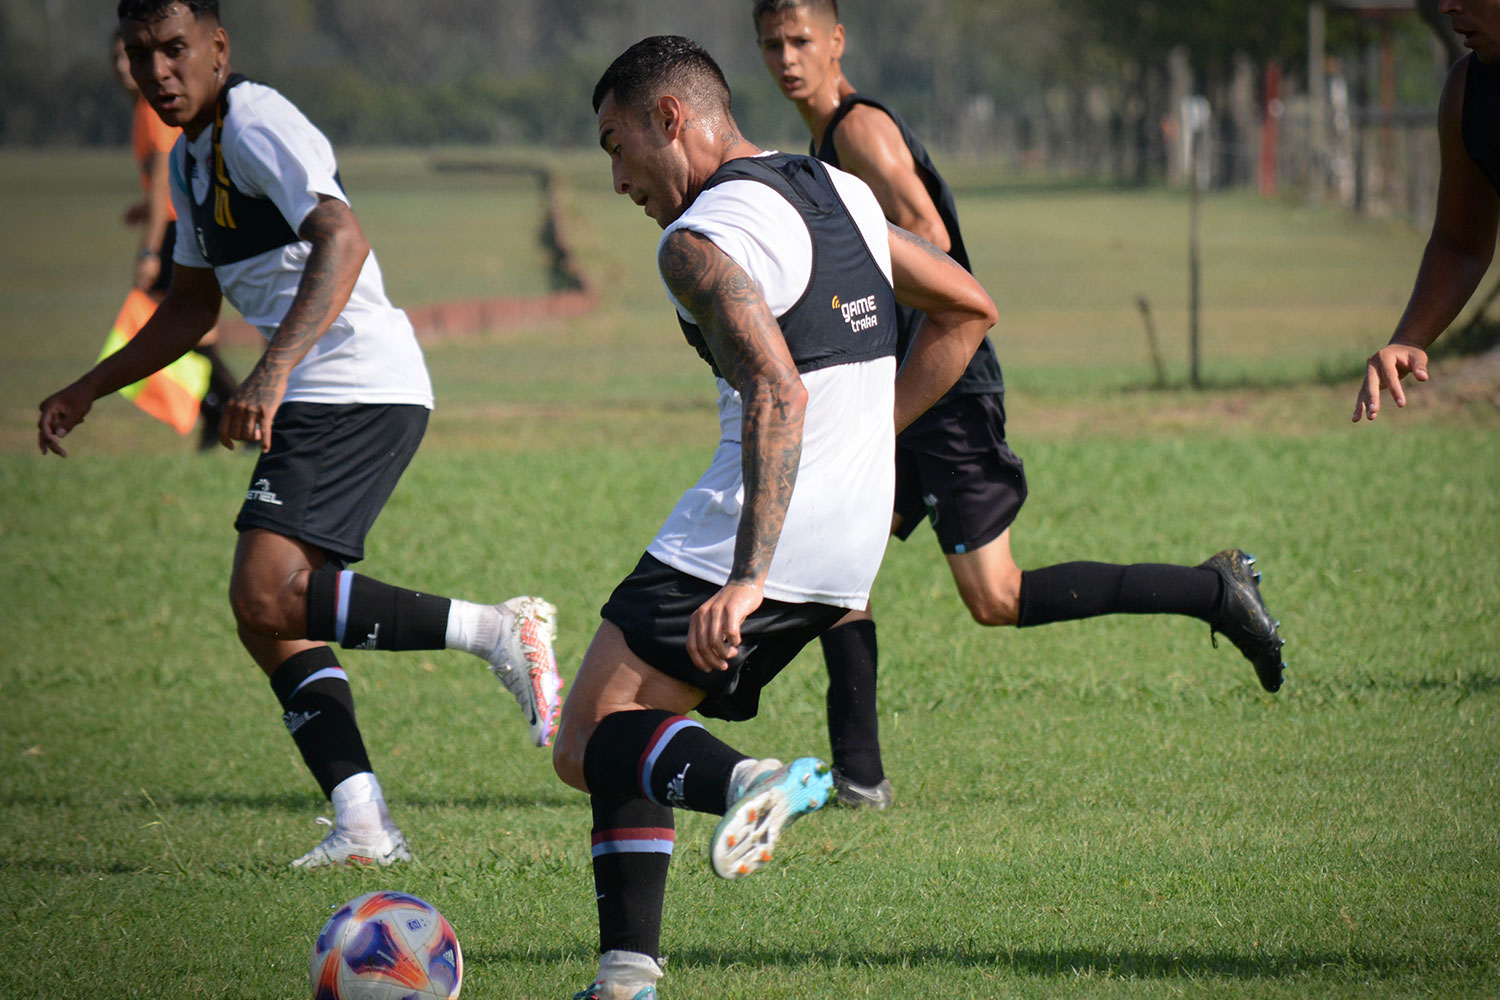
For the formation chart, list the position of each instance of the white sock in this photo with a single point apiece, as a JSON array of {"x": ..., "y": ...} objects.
[
  {"x": 629, "y": 969},
  {"x": 359, "y": 804},
  {"x": 474, "y": 628}
]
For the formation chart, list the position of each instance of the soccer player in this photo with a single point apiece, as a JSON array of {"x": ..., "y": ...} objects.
[
  {"x": 1462, "y": 244},
  {"x": 781, "y": 273},
  {"x": 337, "y": 405},
  {"x": 151, "y": 140},
  {"x": 953, "y": 463}
]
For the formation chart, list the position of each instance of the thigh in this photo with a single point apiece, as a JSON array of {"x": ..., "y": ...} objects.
[{"x": 611, "y": 679}]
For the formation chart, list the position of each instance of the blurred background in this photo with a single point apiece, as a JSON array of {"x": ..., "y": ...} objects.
[{"x": 1332, "y": 100}]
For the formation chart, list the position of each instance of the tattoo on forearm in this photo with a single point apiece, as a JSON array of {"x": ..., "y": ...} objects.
[
  {"x": 931, "y": 249},
  {"x": 748, "y": 346},
  {"x": 328, "y": 277}
]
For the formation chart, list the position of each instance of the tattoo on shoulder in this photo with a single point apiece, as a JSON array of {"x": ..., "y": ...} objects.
[{"x": 722, "y": 299}]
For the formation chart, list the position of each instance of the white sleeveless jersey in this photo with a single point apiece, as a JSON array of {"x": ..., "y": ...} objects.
[
  {"x": 839, "y": 518},
  {"x": 370, "y": 353}
]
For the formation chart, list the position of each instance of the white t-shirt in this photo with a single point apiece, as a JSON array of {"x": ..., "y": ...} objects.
[
  {"x": 839, "y": 518},
  {"x": 370, "y": 353}
]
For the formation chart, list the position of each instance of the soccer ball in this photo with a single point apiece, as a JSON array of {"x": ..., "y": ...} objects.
[{"x": 386, "y": 946}]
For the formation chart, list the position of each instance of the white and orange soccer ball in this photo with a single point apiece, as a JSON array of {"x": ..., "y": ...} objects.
[{"x": 386, "y": 946}]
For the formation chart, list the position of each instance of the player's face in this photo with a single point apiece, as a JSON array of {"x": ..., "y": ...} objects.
[
  {"x": 178, "y": 62},
  {"x": 1479, "y": 22},
  {"x": 800, "y": 48},
  {"x": 647, "y": 165}
]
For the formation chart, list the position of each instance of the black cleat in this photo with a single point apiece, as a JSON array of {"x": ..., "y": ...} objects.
[
  {"x": 1242, "y": 616},
  {"x": 852, "y": 795}
]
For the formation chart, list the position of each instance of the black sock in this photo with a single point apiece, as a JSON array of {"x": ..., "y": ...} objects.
[
  {"x": 318, "y": 710},
  {"x": 360, "y": 613},
  {"x": 1070, "y": 591},
  {"x": 669, "y": 759},
  {"x": 632, "y": 848},
  {"x": 851, "y": 655}
]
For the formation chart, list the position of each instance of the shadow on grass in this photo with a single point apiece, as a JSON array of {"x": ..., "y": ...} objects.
[{"x": 1070, "y": 962}]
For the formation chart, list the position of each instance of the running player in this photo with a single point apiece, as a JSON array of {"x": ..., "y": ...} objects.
[
  {"x": 954, "y": 465},
  {"x": 1462, "y": 244},
  {"x": 336, "y": 405},
  {"x": 781, "y": 271}
]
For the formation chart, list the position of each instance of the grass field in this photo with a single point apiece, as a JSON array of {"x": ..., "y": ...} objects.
[{"x": 1107, "y": 809}]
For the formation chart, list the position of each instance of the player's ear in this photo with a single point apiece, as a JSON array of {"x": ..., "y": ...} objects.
[
  {"x": 836, "y": 41},
  {"x": 221, "y": 50},
  {"x": 670, "y": 114}
]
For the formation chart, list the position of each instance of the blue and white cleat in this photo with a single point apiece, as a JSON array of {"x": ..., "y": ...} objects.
[{"x": 746, "y": 837}]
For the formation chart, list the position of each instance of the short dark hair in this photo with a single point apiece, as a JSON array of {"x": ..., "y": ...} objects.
[
  {"x": 155, "y": 10},
  {"x": 665, "y": 64},
  {"x": 778, "y": 7}
]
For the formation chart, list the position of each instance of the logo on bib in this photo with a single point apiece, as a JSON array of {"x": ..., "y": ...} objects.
[{"x": 861, "y": 314}]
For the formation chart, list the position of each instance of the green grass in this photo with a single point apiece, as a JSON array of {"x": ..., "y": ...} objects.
[{"x": 1101, "y": 810}]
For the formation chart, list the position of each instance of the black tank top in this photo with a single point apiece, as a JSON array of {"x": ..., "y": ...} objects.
[
  {"x": 232, "y": 226},
  {"x": 848, "y": 312},
  {"x": 1481, "y": 118},
  {"x": 983, "y": 376}
]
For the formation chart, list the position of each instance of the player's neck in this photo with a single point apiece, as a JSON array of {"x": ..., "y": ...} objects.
[
  {"x": 210, "y": 110},
  {"x": 818, "y": 110}
]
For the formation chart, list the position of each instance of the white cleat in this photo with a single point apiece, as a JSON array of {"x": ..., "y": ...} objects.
[
  {"x": 356, "y": 847},
  {"x": 524, "y": 662}
]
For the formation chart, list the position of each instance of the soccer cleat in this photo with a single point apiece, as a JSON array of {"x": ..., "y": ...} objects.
[
  {"x": 523, "y": 661},
  {"x": 604, "y": 991},
  {"x": 1243, "y": 618},
  {"x": 852, "y": 795},
  {"x": 356, "y": 847},
  {"x": 746, "y": 836}
]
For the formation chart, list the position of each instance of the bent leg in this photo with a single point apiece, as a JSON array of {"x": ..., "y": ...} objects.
[{"x": 989, "y": 581}]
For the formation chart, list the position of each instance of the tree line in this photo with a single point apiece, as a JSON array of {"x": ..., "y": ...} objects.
[{"x": 394, "y": 72}]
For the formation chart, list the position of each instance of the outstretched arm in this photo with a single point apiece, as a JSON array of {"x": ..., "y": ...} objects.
[
  {"x": 958, "y": 314},
  {"x": 338, "y": 254},
  {"x": 189, "y": 310},
  {"x": 750, "y": 351},
  {"x": 1457, "y": 255}
]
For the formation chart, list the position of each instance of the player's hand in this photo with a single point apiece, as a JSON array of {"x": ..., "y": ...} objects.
[
  {"x": 147, "y": 270},
  {"x": 1385, "y": 370},
  {"x": 714, "y": 632},
  {"x": 252, "y": 408},
  {"x": 61, "y": 412}
]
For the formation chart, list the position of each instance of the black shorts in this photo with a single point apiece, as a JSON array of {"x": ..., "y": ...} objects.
[
  {"x": 654, "y": 606},
  {"x": 329, "y": 472},
  {"x": 960, "y": 473}
]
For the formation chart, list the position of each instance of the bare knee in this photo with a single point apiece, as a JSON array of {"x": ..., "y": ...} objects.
[
  {"x": 267, "y": 606},
  {"x": 568, "y": 749},
  {"x": 994, "y": 610},
  {"x": 995, "y": 602}
]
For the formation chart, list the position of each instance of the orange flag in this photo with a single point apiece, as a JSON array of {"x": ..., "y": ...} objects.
[{"x": 173, "y": 394}]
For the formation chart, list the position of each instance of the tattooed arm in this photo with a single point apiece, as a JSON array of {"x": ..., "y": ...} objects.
[
  {"x": 958, "y": 314},
  {"x": 751, "y": 353},
  {"x": 338, "y": 254},
  {"x": 189, "y": 310}
]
